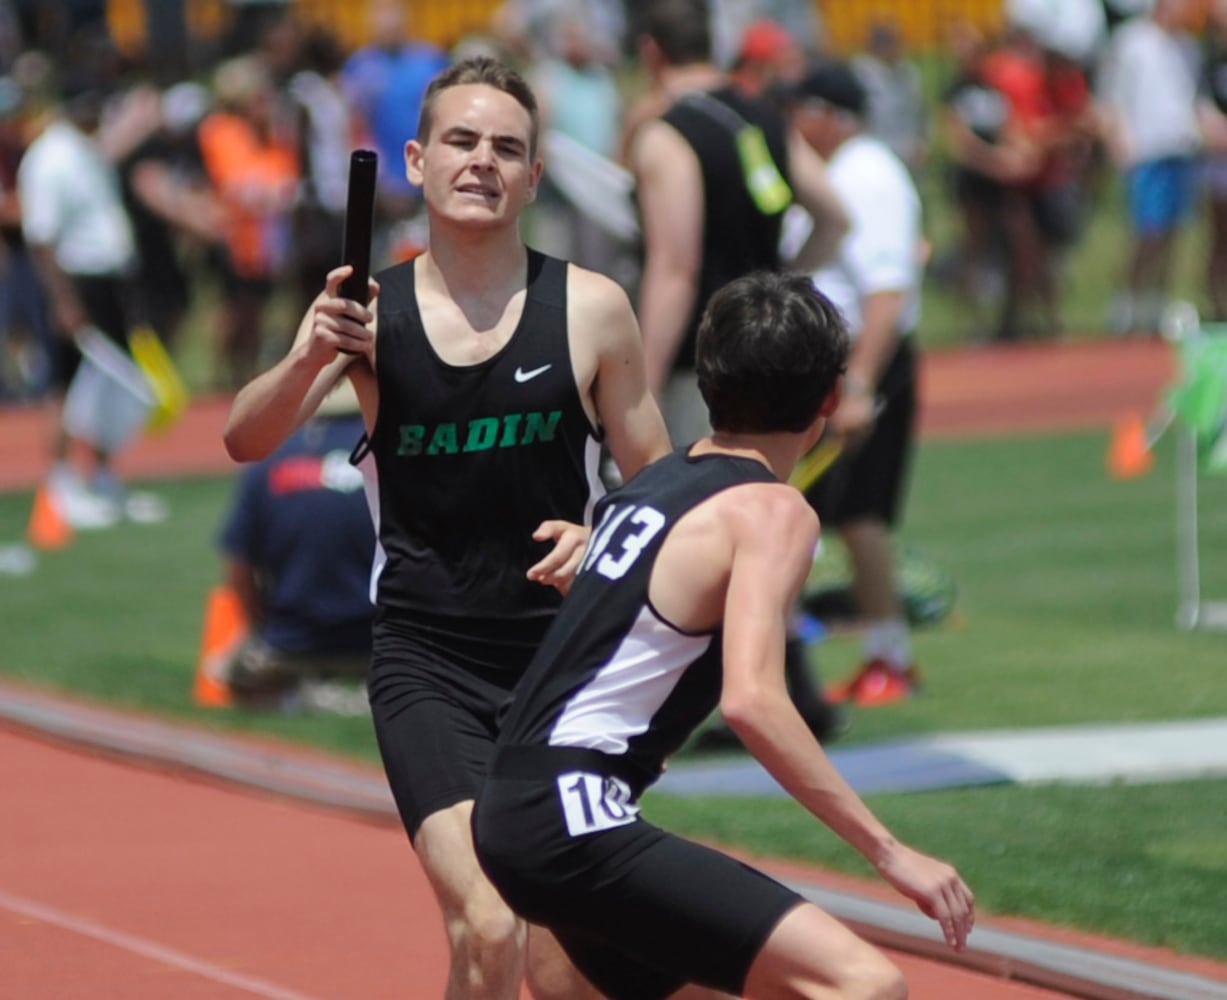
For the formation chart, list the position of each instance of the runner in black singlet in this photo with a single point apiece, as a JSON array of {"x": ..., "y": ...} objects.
[
  {"x": 488, "y": 376},
  {"x": 682, "y": 601}
]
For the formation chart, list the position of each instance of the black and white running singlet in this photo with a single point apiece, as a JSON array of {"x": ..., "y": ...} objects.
[{"x": 612, "y": 675}]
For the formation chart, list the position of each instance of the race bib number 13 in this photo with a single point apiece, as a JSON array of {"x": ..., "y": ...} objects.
[{"x": 592, "y": 802}]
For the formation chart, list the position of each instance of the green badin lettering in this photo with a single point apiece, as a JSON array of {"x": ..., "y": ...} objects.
[
  {"x": 481, "y": 434},
  {"x": 411, "y": 438},
  {"x": 511, "y": 428},
  {"x": 443, "y": 441},
  {"x": 541, "y": 427}
]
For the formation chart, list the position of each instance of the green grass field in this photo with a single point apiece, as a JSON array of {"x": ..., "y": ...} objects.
[{"x": 1065, "y": 614}]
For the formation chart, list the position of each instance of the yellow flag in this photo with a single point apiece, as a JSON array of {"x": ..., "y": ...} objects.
[{"x": 171, "y": 395}]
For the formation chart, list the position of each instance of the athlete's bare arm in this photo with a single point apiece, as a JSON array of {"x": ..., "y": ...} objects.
[
  {"x": 335, "y": 336},
  {"x": 604, "y": 323},
  {"x": 670, "y": 191},
  {"x": 772, "y": 532},
  {"x": 814, "y": 192}
]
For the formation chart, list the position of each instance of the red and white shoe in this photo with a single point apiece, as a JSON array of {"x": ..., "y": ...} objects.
[{"x": 876, "y": 683}]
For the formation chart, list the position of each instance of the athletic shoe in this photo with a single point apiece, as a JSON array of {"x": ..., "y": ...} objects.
[
  {"x": 145, "y": 508},
  {"x": 81, "y": 507},
  {"x": 136, "y": 506},
  {"x": 875, "y": 683}
]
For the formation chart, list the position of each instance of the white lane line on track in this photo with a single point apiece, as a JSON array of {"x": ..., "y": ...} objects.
[{"x": 147, "y": 949}]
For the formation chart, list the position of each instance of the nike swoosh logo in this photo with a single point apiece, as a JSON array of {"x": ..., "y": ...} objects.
[{"x": 524, "y": 376}]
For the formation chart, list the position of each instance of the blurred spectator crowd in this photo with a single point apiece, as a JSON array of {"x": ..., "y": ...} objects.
[{"x": 232, "y": 181}]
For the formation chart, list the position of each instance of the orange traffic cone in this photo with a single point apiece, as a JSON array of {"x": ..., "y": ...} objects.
[
  {"x": 225, "y": 627},
  {"x": 48, "y": 527},
  {"x": 1130, "y": 454}
]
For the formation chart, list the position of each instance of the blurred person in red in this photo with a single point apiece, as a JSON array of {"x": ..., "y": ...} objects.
[
  {"x": 769, "y": 56},
  {"x": 1051, "y": 114},
  {"x": 987, "y": 156}
]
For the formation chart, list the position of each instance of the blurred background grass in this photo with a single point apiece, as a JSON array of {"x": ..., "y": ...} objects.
[{"x": 1065, "y": 614}]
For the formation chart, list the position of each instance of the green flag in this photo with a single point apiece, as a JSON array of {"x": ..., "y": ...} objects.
[{"x": 1200, "y": 397}]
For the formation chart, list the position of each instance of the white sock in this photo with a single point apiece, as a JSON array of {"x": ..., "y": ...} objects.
[
  {"x": 888, "y": 639},
  {"x": 64, "y": 480}
]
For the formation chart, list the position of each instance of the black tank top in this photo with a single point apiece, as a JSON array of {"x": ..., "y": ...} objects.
[
  {"x": 611, "y": 674},
  {"x": 469, "y": 460},
  {"x": 737, "y": 237}
]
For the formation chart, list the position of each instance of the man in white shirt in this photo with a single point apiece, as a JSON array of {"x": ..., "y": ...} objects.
[
  {"x": 80, "y": 238},
  {"x": 875, "y": 281},
  {"x": 1148, "y": 99}
]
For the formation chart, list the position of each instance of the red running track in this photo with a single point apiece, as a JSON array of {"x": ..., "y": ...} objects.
[{"x": 125, "y": 881}]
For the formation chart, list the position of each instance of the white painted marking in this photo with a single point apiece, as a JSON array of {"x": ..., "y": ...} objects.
[{"x": 147, "y": 949}]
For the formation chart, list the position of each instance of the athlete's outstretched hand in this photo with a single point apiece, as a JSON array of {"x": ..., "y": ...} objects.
[
  {"x": 936, "y": 888},
  {"x": 559, "y": 567},
  {"x": 339, "y": 325}
]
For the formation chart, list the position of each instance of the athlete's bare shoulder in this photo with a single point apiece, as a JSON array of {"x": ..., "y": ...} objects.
[
  {"x": 596, "y": 293},
  {"x": 764, "y": 531},
  {"x": 601, "y": 322},
  {"x": 768, "y": 514}
]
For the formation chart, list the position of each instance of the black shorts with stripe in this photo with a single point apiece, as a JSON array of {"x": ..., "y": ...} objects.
[{"x": 640, "y": 911}]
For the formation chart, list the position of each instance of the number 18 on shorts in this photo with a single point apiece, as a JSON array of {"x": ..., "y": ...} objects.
[{"x": 592, "y": 802}]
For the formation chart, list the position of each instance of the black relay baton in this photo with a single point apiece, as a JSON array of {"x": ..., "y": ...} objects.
[{"x": 359, "y": 216}]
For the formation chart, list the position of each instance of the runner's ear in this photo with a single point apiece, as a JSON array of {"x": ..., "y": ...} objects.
[{"x": 831, "y": 403}]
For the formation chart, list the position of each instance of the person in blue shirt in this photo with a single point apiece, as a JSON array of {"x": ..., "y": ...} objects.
[
  {"x": 384, "y": 83},
  {"x": 298, "y": 544}
]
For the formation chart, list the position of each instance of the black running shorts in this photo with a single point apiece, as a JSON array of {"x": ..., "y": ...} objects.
[
  {"x": 435, "y": 694},
  {"x": 641, "y": 912},
  {"x": 105, "y": 301}
]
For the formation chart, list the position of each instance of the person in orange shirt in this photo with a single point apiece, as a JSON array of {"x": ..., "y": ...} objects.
[{"x": 251, "y": 158}]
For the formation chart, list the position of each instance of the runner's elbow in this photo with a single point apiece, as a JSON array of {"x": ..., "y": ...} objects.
[
  {"x": 746, "y": 709},
  {"x": 242, "y": 447}
]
